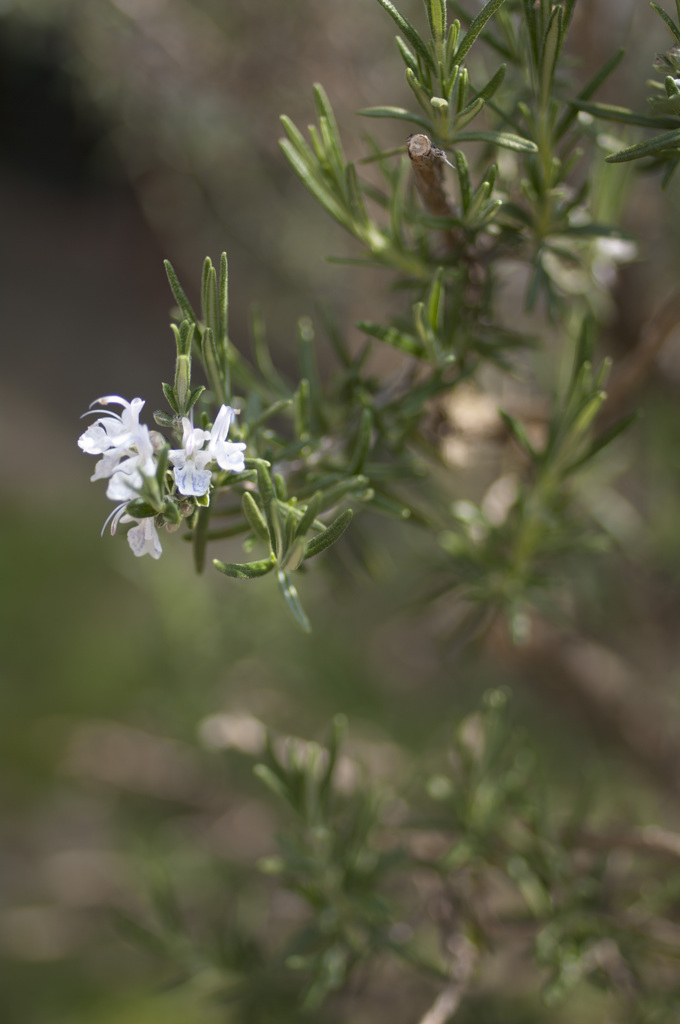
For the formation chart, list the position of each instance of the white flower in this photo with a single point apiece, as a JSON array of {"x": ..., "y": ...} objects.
[
  {"x": 191, "y": 476},
  {"x": 190, "y": 461},
  {"x": 124, "y": 486},
  {"x": 227, "y": 454},
  {"x": 121, "y": 439},
  {"x": 113, "y": 429},
  {"x": 143, "y": 538}
]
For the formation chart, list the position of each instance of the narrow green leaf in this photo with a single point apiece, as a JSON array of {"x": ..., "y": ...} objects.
[
  {"x": 670, "y": 171},
  {"x": 551, "y": 51},
  {"x": 223, "y": 304},
  {"x": 406, "y": 55},
  {"x": 271, "y": 410},
  {"x": 463, "y": 83},
  {"x": 436, "y": 15},
  {"x": 603, "y": 440},
  {"x": 463, "y": 179},
  {"x": 493, "y": 84},
  {"x": 391, "y": 507},
  {"x": 310, "y": 514},
  {"x": 569, "y": 6},
  {"x": 339, "y": 728},
  {"x": 280, "y": 488},
  {"x": 672, "y": 27},
  {"x": 468, "y": 113},
  {"x": 589, "y": 90},
  {"x": 391, "y": 336},
  {"x": 356, "y": 200},
  {"x": 209, "y": 299},
  {"x": 169, "y": 393},
  {"x": 623, "y": 115},
  {"x": 503, "y": 139},
  {"x": 245, "y": 570},
  {"x": 659, "y": 144},
  {"x": 479, "y": 204},
  {"x": 308, "y": 172},
  {"x": 272, "y": 781},
  {"x": 452, "y": 37},
  {"x": 332, "y": 162},
  {"x": 177, "y": 290},
  {"x": 531, "y": 20},
  {"x": 399, "y": 113},
  {"x": 325, "y": 111},
  {"x": 435, "y": 301},
  {"x": 334, "y": 493},
  {"x": 200, "y": 537},
  {"x": 476, "y": 27},
  {"x": 362, "y": 445},
  {"x": 211, "y": 364},
  {"x": 290, "y": 596},
  {"x": 254, "y": 517},
  {"x": 265, "y": 486},
  {"x": 194, "y": 396},
  {"x": 517, "y": 431},
  {"x": 329, "y": 536},
  {"x": 407, "y": 29}
]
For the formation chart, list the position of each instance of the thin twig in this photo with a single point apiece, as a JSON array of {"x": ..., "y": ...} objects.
[
  {"x": 448, "y": 1001},
  {"x": 428, "y": 170}
]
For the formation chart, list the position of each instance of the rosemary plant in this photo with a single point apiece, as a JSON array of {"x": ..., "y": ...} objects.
[
  {"x": 447, "y": 215},
  {"x": 494, "y": 173}
]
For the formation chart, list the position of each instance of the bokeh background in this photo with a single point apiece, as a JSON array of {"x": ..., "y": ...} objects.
[{"x": 130, "y": 131}]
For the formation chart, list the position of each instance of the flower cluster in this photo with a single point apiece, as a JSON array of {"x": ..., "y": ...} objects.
[{"x": 130, "y": 462}]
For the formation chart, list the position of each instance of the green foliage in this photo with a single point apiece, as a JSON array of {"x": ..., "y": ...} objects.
[
  {"x": 662, "y": 151},
  {"x": 320, "y": 441},
  {"x": 472, "y": 830}
]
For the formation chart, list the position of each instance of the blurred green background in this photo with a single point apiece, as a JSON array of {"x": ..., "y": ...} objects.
[{"x": 133, "y": 130}]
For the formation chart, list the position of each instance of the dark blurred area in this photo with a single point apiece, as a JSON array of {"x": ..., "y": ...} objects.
[{"x": 130, "y": 131}]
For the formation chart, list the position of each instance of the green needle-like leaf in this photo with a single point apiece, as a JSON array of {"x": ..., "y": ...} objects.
[
  {"x": 672, "y": 27},
  {"x": 669, "y": 141},
  {"x": 290, "y": 596},
  {"x": 256, "y": 521},
  {"x": 399, "y": 113},
  {"x": 177, "y": 290},
  {"x": 265, "y": 486},
  {"x": 436, "y": 15},
  {"x": 245, "y": 570},
  {"x": 407, "y": 29},
  {"x": 589, "y": 90},
  {"x": 200, "y": 537},
  {"x": 329, "y": 536},
  {"x": 476, "y": 27},
  {"x": 503, "y": 139},
  {"x": 551, "y": 50},
  {"x": 363, "y": 443}
]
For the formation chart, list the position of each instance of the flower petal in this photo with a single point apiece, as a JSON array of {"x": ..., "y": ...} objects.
[
  {"x": 143, "y": 538},
  {"x": 192, "y": 481}
]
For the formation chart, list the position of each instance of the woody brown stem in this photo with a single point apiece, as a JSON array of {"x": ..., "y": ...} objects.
[{"x": 428, "y": 170}]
